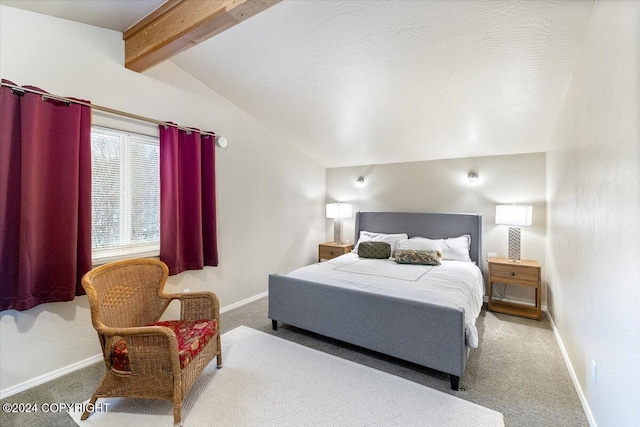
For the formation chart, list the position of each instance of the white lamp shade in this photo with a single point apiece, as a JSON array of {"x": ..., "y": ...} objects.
[
  {"x": 338, "y": 210},
  {"x": 514, "y": 215}
]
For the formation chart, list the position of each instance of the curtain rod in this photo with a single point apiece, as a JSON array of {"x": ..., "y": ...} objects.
[{"x": 101, "y": 108}]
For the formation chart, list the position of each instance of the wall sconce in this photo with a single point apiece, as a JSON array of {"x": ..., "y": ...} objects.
[
  {"x": 515, "y": 216},
  {"x": 222, "y": 142},
  {"x": 472, "y": 177},
  {"x": 360, "y": 181},
  {"x": 337, "y": 211}
]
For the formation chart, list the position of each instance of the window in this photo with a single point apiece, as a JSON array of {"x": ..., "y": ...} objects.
[{"x": 125, "y": 195}]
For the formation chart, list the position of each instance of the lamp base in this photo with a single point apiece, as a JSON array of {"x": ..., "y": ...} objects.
[
  {"x": 514, "y": 244},
  {"x": 337, "y": 231}
]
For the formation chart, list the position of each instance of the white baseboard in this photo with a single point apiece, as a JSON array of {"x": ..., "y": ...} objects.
[
  {"x": 10, "y": 391},
  {"x": 572, "y": 373},
  {"x": 244, "y": 302}
]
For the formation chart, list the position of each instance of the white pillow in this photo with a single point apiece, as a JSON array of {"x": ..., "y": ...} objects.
[
  {"x": 457, "y": 248},
  {"x": 453, "y": 248},
  {"x": 418, "y": 244},
  {"x": 391, "y": 239}
]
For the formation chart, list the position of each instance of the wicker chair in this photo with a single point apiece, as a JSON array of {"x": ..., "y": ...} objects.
[{"x": 127, "y": 296}]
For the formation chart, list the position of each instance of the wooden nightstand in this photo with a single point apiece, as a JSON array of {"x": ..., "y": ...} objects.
[
  {"x": 523, "y": 273},
  {"x": 330, "y": 250}
]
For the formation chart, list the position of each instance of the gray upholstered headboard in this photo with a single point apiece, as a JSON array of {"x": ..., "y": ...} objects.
[{"x": 431, "y": 225}]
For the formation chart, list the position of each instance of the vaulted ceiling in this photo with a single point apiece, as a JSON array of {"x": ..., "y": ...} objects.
[{"x": 366, "y": 82}]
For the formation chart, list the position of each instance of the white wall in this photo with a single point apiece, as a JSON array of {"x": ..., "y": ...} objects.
[
  {"x": 593, "y": 185},
  {"x": 442, "y": 186},
  {"x": 270, "y": 196}
]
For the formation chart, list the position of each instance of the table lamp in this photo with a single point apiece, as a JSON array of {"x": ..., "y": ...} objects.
[
  {"x": 338, "y": 211},
  {"x": 515, "y": 216}
]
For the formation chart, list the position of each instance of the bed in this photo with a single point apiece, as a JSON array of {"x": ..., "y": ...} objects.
[{"x": 429, "y": 333}]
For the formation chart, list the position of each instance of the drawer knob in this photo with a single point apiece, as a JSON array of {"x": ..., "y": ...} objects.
[
  {"x": 331, "y": 252},
  {"x": 512, "y": 274}
]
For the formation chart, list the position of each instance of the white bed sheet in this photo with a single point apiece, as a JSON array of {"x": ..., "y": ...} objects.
[{"x": 455, "y": 284}]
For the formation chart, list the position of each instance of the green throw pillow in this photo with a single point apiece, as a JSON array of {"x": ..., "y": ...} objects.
[{"x": 378, "y": 250}]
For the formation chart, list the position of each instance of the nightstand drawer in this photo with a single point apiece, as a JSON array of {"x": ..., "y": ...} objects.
[
  {"x": 516, "y": 274},
  {"x": 331, "y": 250},
  {"x": 327, "y": 252}
]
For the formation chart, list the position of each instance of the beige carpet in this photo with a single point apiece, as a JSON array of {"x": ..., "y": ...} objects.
[{"x": 268, "y": 381}]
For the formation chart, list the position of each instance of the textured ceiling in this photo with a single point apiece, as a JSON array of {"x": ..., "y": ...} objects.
[
  {"x": 116, "y": 15},
  {"x": 368, "y": 82}
]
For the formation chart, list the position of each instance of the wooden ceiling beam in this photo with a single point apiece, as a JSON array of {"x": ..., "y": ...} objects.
[{"x": 180, "y": 24}]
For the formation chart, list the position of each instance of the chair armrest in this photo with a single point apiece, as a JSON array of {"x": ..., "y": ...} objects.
[
  {"x": 155, "y": 346},
  {"x": 134, "y": 331},
  {"x": 197, "y": 305}
]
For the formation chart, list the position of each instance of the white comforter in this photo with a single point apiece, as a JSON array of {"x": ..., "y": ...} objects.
[{"x": 456, "y": 284}]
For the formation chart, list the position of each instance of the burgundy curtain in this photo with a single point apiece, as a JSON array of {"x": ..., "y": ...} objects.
[
  {"x": 45, "y": 199},
  {"x": 187, "y": 200}
]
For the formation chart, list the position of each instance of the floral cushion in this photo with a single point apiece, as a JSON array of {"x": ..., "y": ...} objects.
[
  {"x": 425, "y": 257},
  {"x": 192, "y": 336}
]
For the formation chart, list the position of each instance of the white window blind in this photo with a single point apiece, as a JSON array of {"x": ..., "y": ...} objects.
[{"x": 125, "y": 195}]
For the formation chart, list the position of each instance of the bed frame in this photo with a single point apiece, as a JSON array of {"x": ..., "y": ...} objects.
[{"x": 427, "y": 334}]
